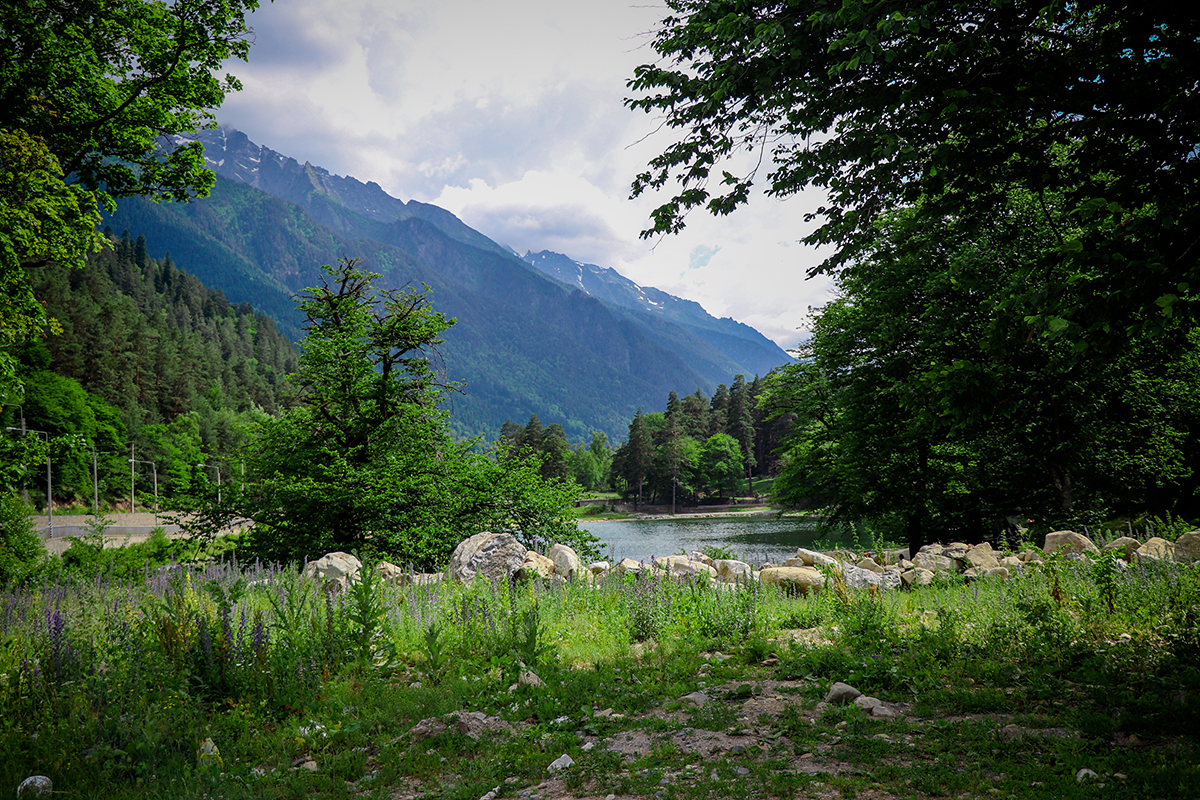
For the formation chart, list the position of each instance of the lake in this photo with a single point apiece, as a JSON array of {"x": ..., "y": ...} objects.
[{"x": 755, "y": 539}]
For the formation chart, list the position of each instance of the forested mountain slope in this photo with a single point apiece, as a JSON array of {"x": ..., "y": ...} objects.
[{"x": 524, "y": 343}]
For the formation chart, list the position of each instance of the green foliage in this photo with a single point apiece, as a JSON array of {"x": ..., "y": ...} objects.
[
  {"x": 720, "y": 462},
  {"x": 868, "y": 102},
  {"x": 364, "y": 462},
  {"x": 21, "y": 549}
]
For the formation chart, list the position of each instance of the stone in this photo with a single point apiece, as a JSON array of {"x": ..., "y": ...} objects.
[
  {"x": 933, "y": 549},
  {"x": 733, "y": 571},
  {"x": 668, "y": 562},
  {"x": 391, "y": 573},
  {"x": 996, "y": 574},
  {"x": 812, "y": 558},
  {"x": 842, "y": 693},
  {"x": 1155, "y": 549},
  {"x": 703, "y": 558},
  {"x": 471, "y": 724},
  {"x": 1085, "y": 774},
  {"x": 918, "y": 576},
  {"x": 598, "y": 568},
  {"x": 871, "y": 565},
  {"x": 800, "y": 580},
  {"x": 858, "y": 578},
  {"x": 535, "y": 565},
  {"x": 628, "y": 565},
  {"x": 695, "y": 698},
  {"x": 866, "y": 703},
  {"x": 1125, "y": 545},
  {"x": 1012, "y": 562},
  {"x": 339, "y": 567},
  {"x": 1187, "y": 547},
  {"x": 1070, "y": 541},
  {"x": 689, "y": 569},
  {"x": 530, "y": 678},
  {"x": 882, "y": 711},
  {"x": 494, "y": 556},
  {"x": 562, "y": 762},
  {"x": 934, "y": 562},
  {"x": 566, "y": 561},
  {"x": 896, "y": 557},
  {"x": 35, "y": 786},
  {"x": 982, "y": 556}
]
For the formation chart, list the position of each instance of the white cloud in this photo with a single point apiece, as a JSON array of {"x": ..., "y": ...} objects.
[{"x": 510, "y": 115}]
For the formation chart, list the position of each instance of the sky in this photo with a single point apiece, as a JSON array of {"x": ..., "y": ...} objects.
[{"x": 511, "y": 116}]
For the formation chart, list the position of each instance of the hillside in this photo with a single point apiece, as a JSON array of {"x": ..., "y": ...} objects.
[{"x": 525, "y": 342}]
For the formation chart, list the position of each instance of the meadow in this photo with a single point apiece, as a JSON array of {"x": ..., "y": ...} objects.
[{"x": 230, "y": 680}]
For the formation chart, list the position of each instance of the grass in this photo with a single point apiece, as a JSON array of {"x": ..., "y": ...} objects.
[{"x": 109, "y": 685}]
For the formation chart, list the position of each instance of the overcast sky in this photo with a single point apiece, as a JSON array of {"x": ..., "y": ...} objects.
[{"x": 510, "y": 115}]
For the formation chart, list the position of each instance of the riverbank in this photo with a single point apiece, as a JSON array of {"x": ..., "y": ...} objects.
[{"x": 1030, "y": 688}]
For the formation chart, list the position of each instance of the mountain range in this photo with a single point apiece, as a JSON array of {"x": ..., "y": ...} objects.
[{"x": 574, "y": 343}]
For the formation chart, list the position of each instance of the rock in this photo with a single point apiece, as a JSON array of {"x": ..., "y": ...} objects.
[
  {"x": 471, "y": 724},
  {"x": 598, "y": 568},
  {"x": 1125, "y": 545},
  {"x": 535, "y": 565},
  {"x": 703, "y": 558},
  {"x": 566, "y": 561},
  {"x": 209, "y": 754},
  {"x": 871, "y": 565},
  {"x": 1012, "y": 562},
  {"x": 1187, "y": 547},
  {"x": 858, "y": 578},
  {"x": 866, "y": 703},
  {"x": 628, "y": 565},
  {"x": 996, "y": 574},
  {"x": 934, "y": 562},
  {"x": 813, "y": 558},
  {"x": 667, "y": 562},
  {"x": 842, "y": 693},
  {"x": 494, "y": 556},
  {"x": 562, "y": 762},
  {"x": 733, "y": 571},
  {"x": 530, "y": 678},
  {"x": 917, "y": 576},
  {"x": 883, "y": 711},
  {"x": 1155, "y": 549},
  {"x": 310, "y": 765},
  {"x": 695, "y": 698},
  {"x": 933, "y": 549},
  {"x": 1085, "y": 774},
  {"x": 982, "y": 556},
  {"x": 1070, "y": 541},
  {"x": 35, "y": 786},
  {"x": 689, "y": 569},
  {"x": 800, "y": 580},
  {"x": 340, "y": 567},
  {"x": 896, "y": 557}
]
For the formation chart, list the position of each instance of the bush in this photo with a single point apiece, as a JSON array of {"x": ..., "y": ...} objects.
[{"x": 21, "y": 549}]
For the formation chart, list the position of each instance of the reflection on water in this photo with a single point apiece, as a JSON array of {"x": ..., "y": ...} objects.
[{"x": 754, "y": 539}]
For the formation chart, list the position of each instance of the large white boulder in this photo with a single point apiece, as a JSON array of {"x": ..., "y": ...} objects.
[
  {"x": 800, "y": 580},
  {"x": 1070, "y": 542},
  {"x": 566, "y": 561},
  {"x": 493, "y": 556},
  {"x": 337, "y": 566}
]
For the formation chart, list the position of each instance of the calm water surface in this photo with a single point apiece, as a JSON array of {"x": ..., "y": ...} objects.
[{"x": 754, "y": 539}]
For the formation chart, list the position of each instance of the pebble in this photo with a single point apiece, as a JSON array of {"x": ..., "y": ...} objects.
[
  {"x": 562, "y": 762},
  {"x": 743, "y": 771},
  {"x": 1085, "y": 774}
]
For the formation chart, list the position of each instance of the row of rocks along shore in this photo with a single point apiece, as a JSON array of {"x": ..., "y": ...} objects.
[{"x": 500, "y": 556}]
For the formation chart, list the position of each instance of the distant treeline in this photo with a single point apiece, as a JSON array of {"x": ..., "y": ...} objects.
[
  {"x": 144, "y": 354},
  {"x": 696, "y": 448}
]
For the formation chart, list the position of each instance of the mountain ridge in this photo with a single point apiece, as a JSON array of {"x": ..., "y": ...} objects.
[{"x": 526, "y": 342}]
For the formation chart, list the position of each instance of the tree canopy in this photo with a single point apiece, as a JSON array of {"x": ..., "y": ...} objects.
[
  {"x": 91, "y": 94},
  {"x": 884, "y": 103},
  {"x": 363, "y": 462}
]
